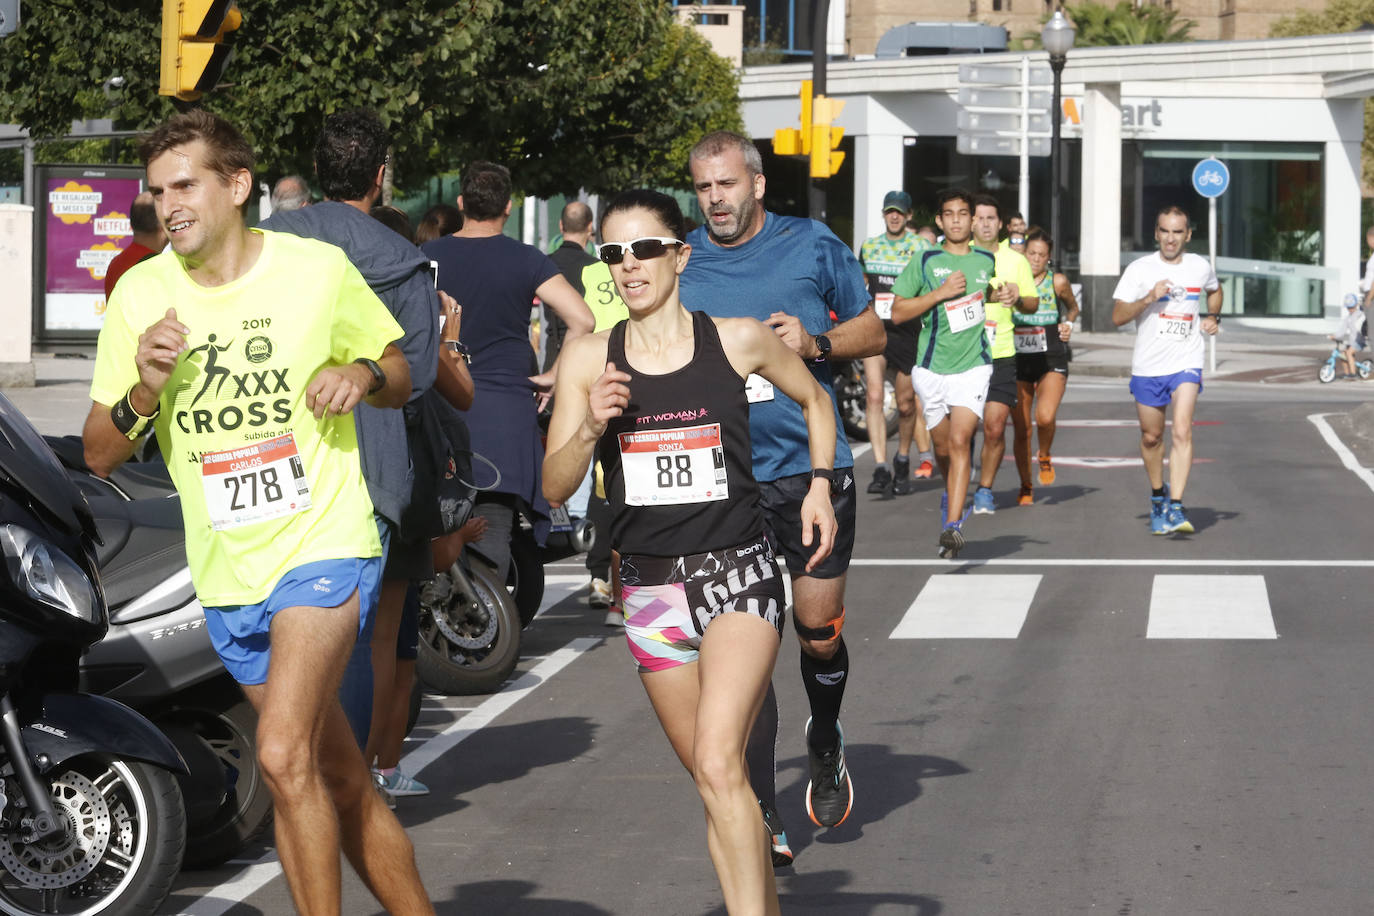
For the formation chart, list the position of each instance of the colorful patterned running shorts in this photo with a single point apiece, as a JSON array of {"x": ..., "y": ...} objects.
[{"x": 669, "y": 601}]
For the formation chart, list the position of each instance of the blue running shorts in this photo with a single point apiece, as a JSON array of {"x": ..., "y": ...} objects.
[
  {"x": 240, "y": 632},
  {"x": 1158, "y": 390}
]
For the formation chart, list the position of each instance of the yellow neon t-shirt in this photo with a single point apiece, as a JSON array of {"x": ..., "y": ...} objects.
[
  {"x": 1010, "y": 266},
  {"x": 279, "y": 488},
  {"x": 602, "y": 297}
]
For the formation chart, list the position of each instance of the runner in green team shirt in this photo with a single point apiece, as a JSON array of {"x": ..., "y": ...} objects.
[
  {"x": 948, "y": 287},
  {"x": 883, "y": 257}
]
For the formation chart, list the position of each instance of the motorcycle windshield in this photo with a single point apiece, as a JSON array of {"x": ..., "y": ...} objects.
[{"x": 30, "y": 465}]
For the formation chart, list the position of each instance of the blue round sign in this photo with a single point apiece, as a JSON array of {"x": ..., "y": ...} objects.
[{"x": 1211, "y": 177}]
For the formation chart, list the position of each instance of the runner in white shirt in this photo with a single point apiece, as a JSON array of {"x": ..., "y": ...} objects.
[
  {"x": 1163, "y": 294},
  {"x": 1367, "y": 282}
]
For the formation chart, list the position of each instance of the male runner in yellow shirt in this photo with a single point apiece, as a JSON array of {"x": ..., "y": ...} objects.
[{"x": 248, "y": 350}]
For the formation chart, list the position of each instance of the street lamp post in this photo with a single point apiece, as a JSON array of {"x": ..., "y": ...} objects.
[{"x": 1057, "y": 38}]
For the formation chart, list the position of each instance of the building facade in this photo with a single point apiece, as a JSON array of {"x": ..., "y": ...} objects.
[
  {"x": 1285, "y": 115},
  {"x": 866, "y": 21}
]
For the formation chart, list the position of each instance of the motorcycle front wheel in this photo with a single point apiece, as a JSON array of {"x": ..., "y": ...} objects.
[
  {"x": 124, "y": 833},
  {"x": 469, "y": 632}
]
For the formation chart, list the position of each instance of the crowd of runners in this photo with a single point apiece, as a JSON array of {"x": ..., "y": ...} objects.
[{"x": 708, "y": 406}]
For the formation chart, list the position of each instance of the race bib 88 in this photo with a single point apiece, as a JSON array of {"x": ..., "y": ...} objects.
[{"x": 668, "y": 467}]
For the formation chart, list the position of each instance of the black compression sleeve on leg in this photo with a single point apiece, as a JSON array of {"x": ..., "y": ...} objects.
[
  {"x": 760, "y": 754},
  {"x": 825, "y": 680}
]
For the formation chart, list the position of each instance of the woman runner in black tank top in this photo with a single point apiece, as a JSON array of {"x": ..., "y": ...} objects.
[
  {"x": 677, "y": 461},
  {"x": 662, "y": 397},
  {"x": 1042, "y": 364}
]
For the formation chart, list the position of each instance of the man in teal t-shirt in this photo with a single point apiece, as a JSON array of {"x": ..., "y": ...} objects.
[{"x": 947, "y": 288}]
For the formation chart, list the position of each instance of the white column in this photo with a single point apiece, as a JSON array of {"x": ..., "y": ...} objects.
[
  {"x": 1341, "y": 229},
  {"x": 879, "y": 161},
  {"x": 1100, "y": 202},
  {"x": 16, "y": 306}
]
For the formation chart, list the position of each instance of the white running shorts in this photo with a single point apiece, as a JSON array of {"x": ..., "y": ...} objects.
[{"x": 940, "y": 393}]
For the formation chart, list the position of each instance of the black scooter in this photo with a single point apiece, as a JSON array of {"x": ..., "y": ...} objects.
[{"x": 91, "y": 816}]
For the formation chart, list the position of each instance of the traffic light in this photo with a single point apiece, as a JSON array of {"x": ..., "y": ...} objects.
[
  {"x": 825, "y": 137},
  {"x": 194, "y": 51},
  {"x": 789, "y": 141}
]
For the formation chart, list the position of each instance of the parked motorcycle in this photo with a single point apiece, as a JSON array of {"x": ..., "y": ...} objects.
[
  {"x": 851, "y": 394},
  {"x": 158, "y": 657},
  {"x": 91, "y": 816},
  {"x": 469, "y": 622}
]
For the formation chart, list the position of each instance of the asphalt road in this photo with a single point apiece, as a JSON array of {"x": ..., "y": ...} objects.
[{"x": 1074, "y": 717}]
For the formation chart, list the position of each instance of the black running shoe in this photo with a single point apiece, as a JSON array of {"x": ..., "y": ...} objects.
[
  {"x": 777, "y": 836},
  {"x": 829, "y": 794},
  {"x": 882, "y": 479},
  {"x": 901, "y": 475},
  {"x": 951, "y": 542}
]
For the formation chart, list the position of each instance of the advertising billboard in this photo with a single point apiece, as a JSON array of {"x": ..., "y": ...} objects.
[{"x": 83, "y": 223}]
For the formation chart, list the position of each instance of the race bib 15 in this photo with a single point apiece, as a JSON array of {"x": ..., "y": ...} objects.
[{"x": 965, "y": 312}]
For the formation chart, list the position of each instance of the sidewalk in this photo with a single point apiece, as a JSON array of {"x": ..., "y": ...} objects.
[
  {"x": 1245, "y": 353},
  {"x": 58, "y": 404}
]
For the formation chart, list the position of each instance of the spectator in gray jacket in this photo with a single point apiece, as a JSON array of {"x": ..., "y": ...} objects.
[{"x": 350, "y": 157}]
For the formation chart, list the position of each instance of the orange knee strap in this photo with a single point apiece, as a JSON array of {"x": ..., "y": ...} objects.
[{"x": 827, "y": 633}]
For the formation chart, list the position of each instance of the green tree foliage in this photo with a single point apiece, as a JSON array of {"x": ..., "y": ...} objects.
[
  {"x": 568, "y": 93},
  {"x": 1101, "y": 24},
  {"x": 1339, "y": 16}
]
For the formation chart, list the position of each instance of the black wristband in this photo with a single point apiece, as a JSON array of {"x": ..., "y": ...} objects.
[
  {"x": 128, "y": 420},
  {"x": 1214, "y": 317},
  {"x": 378, "y": 376}
]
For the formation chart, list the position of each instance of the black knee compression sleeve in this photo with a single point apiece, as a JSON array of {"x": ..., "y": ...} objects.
[{"x": 825, "y": 680}]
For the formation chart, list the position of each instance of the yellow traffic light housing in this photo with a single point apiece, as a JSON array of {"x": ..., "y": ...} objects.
[
  {"x": 789, "y": 141},
  {"x": 825, "y": 137},
  {"x": 194, "y": 50}
]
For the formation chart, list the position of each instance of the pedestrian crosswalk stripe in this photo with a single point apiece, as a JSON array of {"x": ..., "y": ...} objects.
[
  {"x": 969, "y": 607},
  {"x": 1210, "y": 607}
]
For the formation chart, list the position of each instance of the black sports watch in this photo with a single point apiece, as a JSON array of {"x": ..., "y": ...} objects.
[
  {"x": 826, "y": 474},
  {"x": 822, "y": 344},
  {"x": 378, "y": 376}
]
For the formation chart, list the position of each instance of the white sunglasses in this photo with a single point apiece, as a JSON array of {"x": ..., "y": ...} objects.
[{"x": 649, "y": 247}]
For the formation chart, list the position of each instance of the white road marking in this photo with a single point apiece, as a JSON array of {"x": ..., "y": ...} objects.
[
  {"x": 969, "y": 607},
  {"x": 1082, "y": 561},
  {"x": 1346, "y": 455},
  {"x": 224, "y": 897},
  {"x": 1210, "y": 607}
]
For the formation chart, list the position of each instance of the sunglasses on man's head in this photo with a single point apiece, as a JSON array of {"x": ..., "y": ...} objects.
[{"x": 642, "y": 249}]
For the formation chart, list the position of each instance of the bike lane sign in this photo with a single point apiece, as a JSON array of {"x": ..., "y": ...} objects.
[{"x": 1211, "y": 177}]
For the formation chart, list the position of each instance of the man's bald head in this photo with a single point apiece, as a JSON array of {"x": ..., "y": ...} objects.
[{"x": 575, "y": 222}]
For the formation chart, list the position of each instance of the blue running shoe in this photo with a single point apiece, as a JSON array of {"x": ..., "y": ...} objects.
[
  {"x": 1177, "y": 520},
  {"x": 944, "y": 508},
  {"x": 399, "y": 784},
  {"x": 777, "y": 836},
  {"x": 1159, "y": 509},
  {"x": 982, "y": 502}
]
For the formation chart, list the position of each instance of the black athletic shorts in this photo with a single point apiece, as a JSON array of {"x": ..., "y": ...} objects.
[
  {"x": 900, "y": 351},
  {"x": 1002, "y": 385},
  {"x": 1031, "y": 367},
  {"x": 781, "y": 500}
]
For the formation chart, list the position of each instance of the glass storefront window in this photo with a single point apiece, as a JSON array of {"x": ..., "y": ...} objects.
[
  {"x": 932, "y": 164},
  {"x": 1271, "y": 213}
]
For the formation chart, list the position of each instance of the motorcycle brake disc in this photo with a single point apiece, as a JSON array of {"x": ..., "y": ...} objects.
[{"x": 74, "y": 854}]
